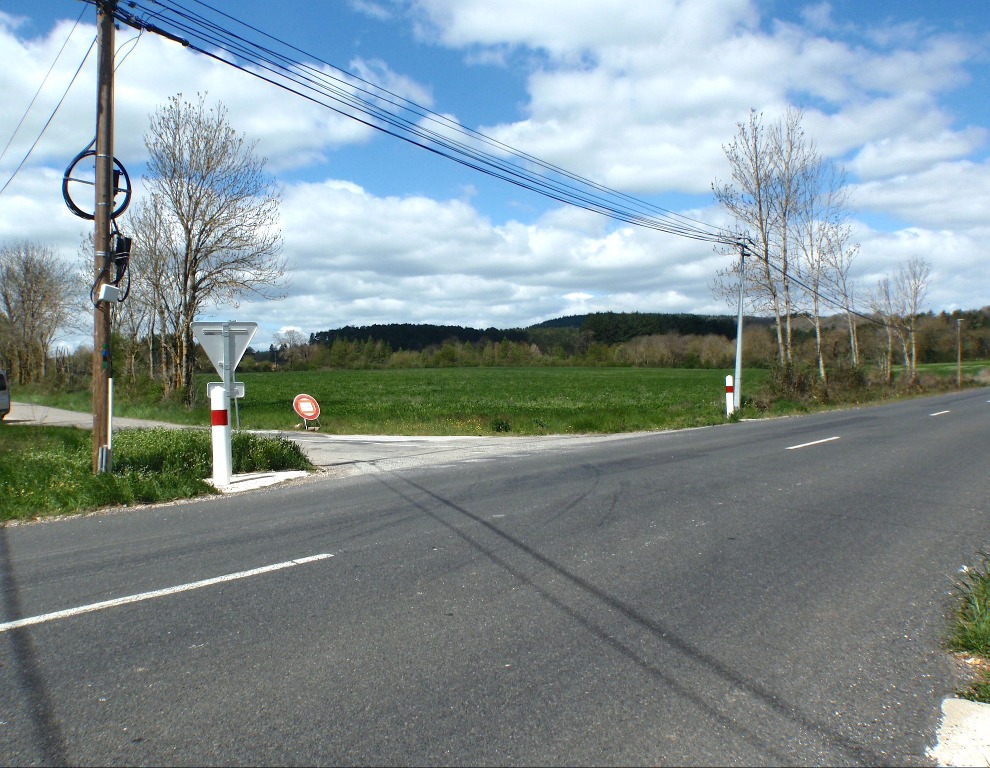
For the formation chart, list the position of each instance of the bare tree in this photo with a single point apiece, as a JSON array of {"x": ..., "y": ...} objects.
[
  {"x": 822, "y": 235},
  {"x": 39, "y": 297},
  {"x": 898, "y": 303},
  {"x": 155, "y": 274},
  {"x": 208, "y": 232},
  {"x": 791, "y": 154},
  {"x": 292, "y": 346},
  {"x": 749, "y": 198},
  {"x": 882, "y": 305},
  {"x": 767, "y": 163},
  {"x": 840, "y": 254},
  {"x": 911, "y": 290}
]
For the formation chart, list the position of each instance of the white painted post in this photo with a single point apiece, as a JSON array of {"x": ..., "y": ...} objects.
[
  {"x": 730, "y": 402},
  {"x": 222, "y": 458},
  {"x": 110, "y": 415}
]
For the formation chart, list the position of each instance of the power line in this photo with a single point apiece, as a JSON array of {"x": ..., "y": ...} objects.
[
  {"x": 43, "y": 82},
  {"x": 50, "y": 118},
  {"x": 456, "y": 126},
  {"x": 385, "y": 111}
]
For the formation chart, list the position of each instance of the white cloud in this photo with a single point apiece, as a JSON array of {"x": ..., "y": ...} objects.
[
  {"x": 946, "y": 196},
  {"x": 642, "y": 97}
]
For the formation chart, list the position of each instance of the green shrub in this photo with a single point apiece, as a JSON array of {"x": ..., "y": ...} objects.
[
  {"x": 847, "y": 378},
  {"x": 971, "y": 630},
  {"x": 793, "y": 381},
  {"x": 255, "y": 453},
  {"x": 48, "y": 470},
  {"x": 163, "y": 450}
]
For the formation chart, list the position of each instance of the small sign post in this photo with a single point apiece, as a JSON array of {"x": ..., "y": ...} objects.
[
  {"x": 224, "y": 344},
  {"x": 220, "y": 426},
  {"x": 308, "y": 410}
]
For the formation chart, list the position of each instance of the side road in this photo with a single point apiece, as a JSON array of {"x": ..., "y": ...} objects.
[{"x": 42, "y": 415}]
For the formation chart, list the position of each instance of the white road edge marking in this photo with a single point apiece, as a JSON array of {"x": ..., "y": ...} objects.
[
  {"x": 32, "y": 620},
  {"x": 816, "y": 442},
  {"x": 939, "y": 413}
]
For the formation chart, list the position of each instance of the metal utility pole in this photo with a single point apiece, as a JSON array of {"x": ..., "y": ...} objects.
[
  {"x": 102, "y": 363},
  {"x": 959, "y": 353},
  {"x": 737, "y": 390}
]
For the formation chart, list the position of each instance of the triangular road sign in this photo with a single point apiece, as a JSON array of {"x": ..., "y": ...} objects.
[{"x": 224, "y": 343}]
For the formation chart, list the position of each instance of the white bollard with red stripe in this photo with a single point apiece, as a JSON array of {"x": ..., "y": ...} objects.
[
  {"x": 730, "y": 402},
  {"x": 222, "y": 457}
]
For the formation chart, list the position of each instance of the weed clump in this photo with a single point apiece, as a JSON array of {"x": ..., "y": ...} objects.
[{"x": 970, "y": 631}]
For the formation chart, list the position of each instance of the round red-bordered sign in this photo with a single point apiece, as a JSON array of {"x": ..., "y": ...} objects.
[{"x": 307, "y": 407}]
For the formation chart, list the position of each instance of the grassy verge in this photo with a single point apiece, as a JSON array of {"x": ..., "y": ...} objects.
[
  {"x": 970, "y": 631},
  {"x": 47, "y": 470}
]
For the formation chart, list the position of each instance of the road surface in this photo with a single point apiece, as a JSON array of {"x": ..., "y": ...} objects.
[{"x": 760, "y": 593}]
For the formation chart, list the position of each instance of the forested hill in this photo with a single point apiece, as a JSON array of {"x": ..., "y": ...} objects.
[
  {"x": 617, "y": 327},
  {"x": 604, "y": 327},
  {"x": 415, "y": 338}
]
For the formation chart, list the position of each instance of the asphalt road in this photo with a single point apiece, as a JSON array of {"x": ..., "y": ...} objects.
[{"x": 760, "y": 593}]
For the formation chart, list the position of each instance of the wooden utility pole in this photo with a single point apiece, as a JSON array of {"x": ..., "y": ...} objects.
[{"x": 102, "y": 363}]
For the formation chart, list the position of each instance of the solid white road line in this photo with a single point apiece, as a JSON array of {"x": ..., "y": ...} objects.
[
  {"x": 816, "y": 442},
  {"x": 939, "y": 413},
  {"x": 30, "y": 621}
]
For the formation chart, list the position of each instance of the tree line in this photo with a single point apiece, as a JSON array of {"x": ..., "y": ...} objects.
[
  {"x": 619, "y": 344},
  {"x": 604, "y": 327}
]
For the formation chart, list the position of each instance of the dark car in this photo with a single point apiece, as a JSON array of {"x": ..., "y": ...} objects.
[{"x": 4, "y": 396}]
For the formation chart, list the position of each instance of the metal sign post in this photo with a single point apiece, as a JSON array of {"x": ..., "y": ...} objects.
[{"x": 224, "y": 344}]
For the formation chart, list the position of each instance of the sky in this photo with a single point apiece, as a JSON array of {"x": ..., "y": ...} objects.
[{"x": 641, "y": 97}]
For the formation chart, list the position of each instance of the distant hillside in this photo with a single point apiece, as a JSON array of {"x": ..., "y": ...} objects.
[
  {"x": 416, "y": 337},
  {"x": 616, "y": 327},
  {"x": 571, "y": 321}
]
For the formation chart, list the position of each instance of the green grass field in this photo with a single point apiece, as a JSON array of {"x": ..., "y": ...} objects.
[
  {"x": 469, "y": 401},
  {"x": 455, "y": 401},
  {"x": 475, "y": 401},
  {"x": 969, "y": 368}
]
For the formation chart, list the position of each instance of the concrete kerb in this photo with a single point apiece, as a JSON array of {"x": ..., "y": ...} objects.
[
  {"x": 964, "y": 734},
  {"x": 254, "y": 480}
]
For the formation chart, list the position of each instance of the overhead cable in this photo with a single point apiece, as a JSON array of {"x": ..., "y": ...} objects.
[
  {"x": 50, "y": 118},
  {"x": 381, "y": 109},
  {"x": 385, "y": 111},
  {"x": 42, "y": 85}
]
